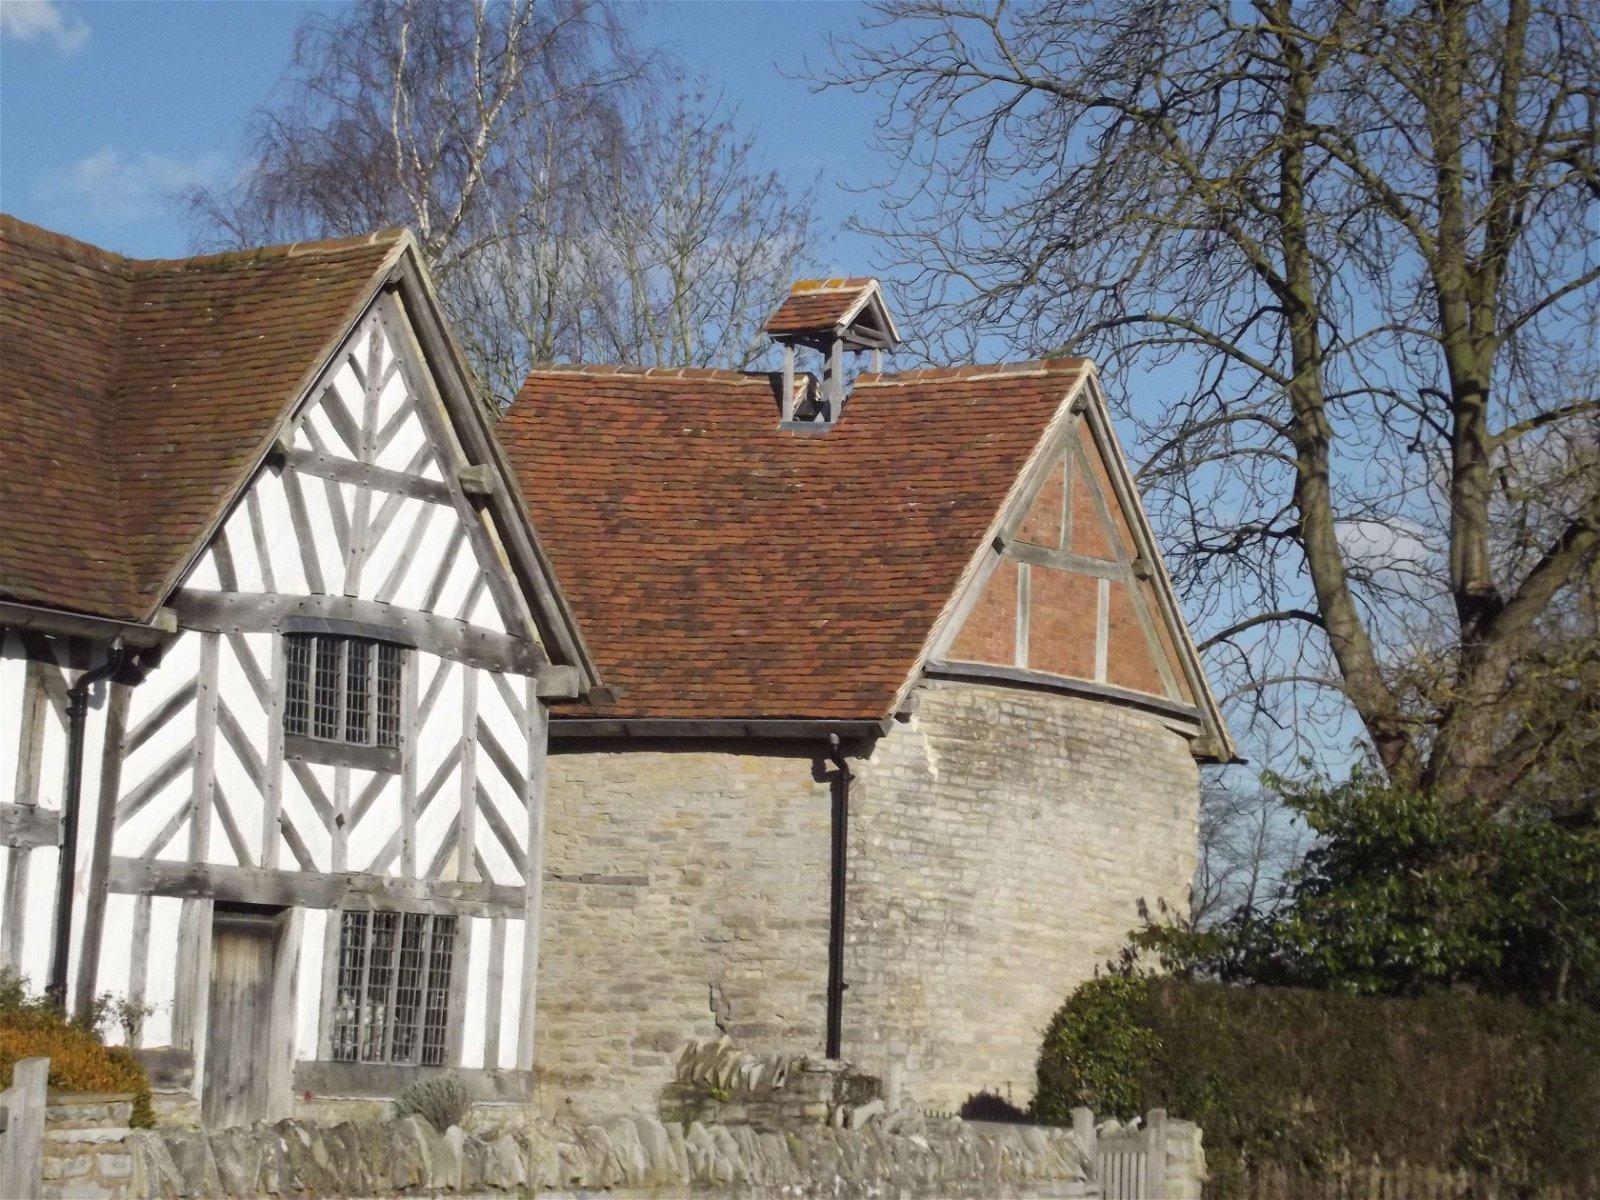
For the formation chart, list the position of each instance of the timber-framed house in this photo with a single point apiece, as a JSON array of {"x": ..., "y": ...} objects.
[{"x": 279, "y": 643}]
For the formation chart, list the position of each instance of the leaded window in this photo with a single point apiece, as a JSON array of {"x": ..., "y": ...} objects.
[
  {"x": 392, "y": 997},
  {"x": 343, "y": 691}
]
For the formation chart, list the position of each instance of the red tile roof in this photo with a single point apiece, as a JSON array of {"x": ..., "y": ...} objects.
[
  {"x": 135, "y": 394},
  {"x": 724, "y": 569},
  {"x": 816, "y": 304}
]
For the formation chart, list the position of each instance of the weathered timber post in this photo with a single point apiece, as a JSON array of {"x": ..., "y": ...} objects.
[
  {"x": 1156, "y": 1134},
  {"x": 1083, "y": 1130},
  {"x": 22, "y": 1142}
]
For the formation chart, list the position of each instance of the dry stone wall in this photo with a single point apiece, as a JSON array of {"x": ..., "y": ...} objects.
[
  {"x": 631, "y": 1155},
  {"x": 783, "y": 1126},
  {"x": 999, "y": 844}
]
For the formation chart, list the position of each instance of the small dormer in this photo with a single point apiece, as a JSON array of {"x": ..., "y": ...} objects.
[{"x": 831, "y": 317}]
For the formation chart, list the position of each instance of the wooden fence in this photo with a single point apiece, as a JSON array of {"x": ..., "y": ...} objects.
[
  {"x": 1155, "y": 1160},
  {"x": 22, "y": 1129}
]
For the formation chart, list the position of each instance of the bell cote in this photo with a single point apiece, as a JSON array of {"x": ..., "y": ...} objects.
[{"x": 831, "y": 317}]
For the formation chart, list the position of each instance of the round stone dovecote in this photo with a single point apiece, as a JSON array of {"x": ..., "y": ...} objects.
[{"x": 999, "y": 844}]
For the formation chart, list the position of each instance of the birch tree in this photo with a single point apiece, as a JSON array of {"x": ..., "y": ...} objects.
[
  {"x": 1363, "y": 237},
  {"x": 521, "y": 143}
]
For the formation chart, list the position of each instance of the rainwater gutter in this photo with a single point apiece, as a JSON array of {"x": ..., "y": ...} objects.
[{"x": 841, "y": 834}]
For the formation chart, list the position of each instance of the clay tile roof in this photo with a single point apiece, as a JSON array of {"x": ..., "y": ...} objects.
[
  {"x": 725, "y": 569},
  {"x": 817, "y": 304},
  {"x": 135, "y": 394}
]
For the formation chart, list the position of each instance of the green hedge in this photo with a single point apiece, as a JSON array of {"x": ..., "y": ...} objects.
[{"x": 1296, "y": 1078}]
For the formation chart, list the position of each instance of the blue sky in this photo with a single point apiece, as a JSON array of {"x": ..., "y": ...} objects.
[{"x": 108, "y": 109}]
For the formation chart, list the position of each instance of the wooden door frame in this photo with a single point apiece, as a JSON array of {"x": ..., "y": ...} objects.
[{"x": 282, "y": 1016}]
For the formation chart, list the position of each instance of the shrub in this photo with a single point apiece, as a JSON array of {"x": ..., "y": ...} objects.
[
  {"x": 79, "y": 1061},
  {"x": 1402, "y": 894},
  {"x": 990, "y": 1106},
  {"x": 442, "y": 1102},
  {"x": 1296, "y": 1079},
  {"x": 1095, "y": 1052}
]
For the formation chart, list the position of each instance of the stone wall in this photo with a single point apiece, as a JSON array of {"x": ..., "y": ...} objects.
[
  {"x": 784, "y": 1126},
  {"x": 88, "y": 1154},
  {"x": 686, "y": 895},
  {"x": 632, "y": 1155},
  {"x": 999, "y": 845},
  {"x": 718, "y": 1084}
]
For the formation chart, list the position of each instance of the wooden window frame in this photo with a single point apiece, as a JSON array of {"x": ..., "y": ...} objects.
[
  {"x": 303, "y": 744},
  {"x": 431, "y": 1042}
]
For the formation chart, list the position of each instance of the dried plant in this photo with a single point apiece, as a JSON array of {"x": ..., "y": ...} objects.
[{"x": 441, "y": 1101}]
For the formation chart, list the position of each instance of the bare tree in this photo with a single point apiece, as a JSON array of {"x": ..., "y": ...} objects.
[
  {"x": 1248, "y": 846},
  {"x": 517, "y": 140},
  {"x": 694, "y": 245},
  {"x": 1364, "y": 233}
]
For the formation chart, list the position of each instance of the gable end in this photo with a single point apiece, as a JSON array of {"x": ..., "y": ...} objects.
[
  {"x": 382, "y": 499},
  {"x": 1071, "y": 590}
]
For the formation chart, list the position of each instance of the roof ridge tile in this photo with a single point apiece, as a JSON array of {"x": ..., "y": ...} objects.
[
  {"x": 727, "y": 374},
  {"x": 15, "y": 227},
  {"x": 1045, "y": 366},
  {"x": 256, "y": 254}
]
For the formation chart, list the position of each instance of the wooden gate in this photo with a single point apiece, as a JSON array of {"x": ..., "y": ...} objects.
[{"x": 1131, "y": 1164}]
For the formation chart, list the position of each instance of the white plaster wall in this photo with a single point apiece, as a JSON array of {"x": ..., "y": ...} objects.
[
  {"x": 29, "y": 936},
  {"x": 424, "y": 550},
  {"x": 422, "y": 540}
]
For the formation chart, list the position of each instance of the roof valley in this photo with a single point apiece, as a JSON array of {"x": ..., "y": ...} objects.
[{"x": 137, "y": 395}]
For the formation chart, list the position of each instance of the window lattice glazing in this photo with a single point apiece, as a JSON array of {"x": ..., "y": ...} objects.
[
  {"x": 297, "y": 697},
  {"x": 392, "y": 1003},
  {"x": 387, "y": 707},
  {"x": 435, "y": 1016},
  {"x": 342, "y": 689}
]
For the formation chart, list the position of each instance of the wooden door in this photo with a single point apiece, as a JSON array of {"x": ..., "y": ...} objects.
[{"x": 240, "y": 1023}]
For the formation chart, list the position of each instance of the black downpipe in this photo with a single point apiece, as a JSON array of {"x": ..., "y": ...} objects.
[
  {"x": 77, "y": 715},
  {"x": 841, "y": 834}
]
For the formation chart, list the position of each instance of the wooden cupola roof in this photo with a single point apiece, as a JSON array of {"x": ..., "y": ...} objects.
[
  {"x": 833, "y": 317},
  {"x": 818, "y": 311}
]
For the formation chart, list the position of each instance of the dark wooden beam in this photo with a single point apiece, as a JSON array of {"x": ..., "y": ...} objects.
[
  {"x": 576, "y": 727},
  {"x": 1065, "y": 560},
  {"x": 477, "y": 480},
  {"x": 986, "y": 672},
  {"x": 365, "y": 475},
  {"x": 157, "y": 631},
  {"x": 222, "y": 612},
  {"x": 314, "y": 889}
]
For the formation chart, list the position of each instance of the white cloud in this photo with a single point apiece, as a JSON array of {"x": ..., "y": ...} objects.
[
  {"x": 119, "y": 188},
  {"x": 1393, "y": 545},
  {"x": 42, "y": 20}
]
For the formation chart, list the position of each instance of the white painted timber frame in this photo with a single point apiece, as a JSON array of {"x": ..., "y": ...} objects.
[{"x": 380, "y": 508}]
